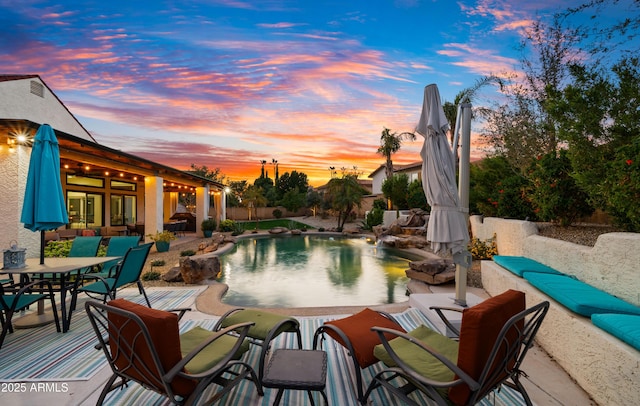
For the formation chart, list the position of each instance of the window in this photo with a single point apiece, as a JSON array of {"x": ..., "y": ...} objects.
[
  {"x": 84, "y": 181},
  {"x": 120, "y": 185},
  {"x": 85, "y": 209},
  {"x": 123, "y": 210}
]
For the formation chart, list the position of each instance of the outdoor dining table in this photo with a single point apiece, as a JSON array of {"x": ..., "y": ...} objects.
[{"x": 63, "y": 269}]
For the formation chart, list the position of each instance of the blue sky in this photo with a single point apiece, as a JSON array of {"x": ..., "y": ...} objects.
[{"x": 227, "y": 83}]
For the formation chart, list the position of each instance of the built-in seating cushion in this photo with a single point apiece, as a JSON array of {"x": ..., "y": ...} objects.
[
  {"x": 519, "y": 265},
  {"x": 624, "y": 326},
  {"x": 357, "y": 328},
  {"x": 264, "y": 322},
  {"x": 479, "y": 329},
  {"x": 420, "y": 360},
  {"x": 164, "y": 333},
  {"x": 211, "y": 354},
  {"x": 578, "y": 296}
]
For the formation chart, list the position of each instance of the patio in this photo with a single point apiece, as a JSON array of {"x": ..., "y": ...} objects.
[{"x": 45, "y": 367}]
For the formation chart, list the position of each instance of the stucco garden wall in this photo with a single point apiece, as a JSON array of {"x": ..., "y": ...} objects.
[
  {"x": 605, "y": 367},
  {"x": 611, "y": 265}
]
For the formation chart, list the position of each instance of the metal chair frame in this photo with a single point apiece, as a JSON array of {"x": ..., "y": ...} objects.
[{"x": 502, "y": 366}]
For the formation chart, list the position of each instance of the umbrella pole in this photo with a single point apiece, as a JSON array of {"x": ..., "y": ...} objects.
[
  {"x": 42, "y": 247},
  {"x": 463, "y": 262}
]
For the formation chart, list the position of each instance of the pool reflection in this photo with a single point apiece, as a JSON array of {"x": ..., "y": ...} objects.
[{"x": 312, "y": 271}]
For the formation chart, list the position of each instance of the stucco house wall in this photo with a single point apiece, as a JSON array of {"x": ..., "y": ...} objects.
[{"x": 20, "y": 103}]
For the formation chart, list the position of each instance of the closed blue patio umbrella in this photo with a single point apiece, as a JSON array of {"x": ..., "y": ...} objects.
[
  {"x": 447, "y": 229},
  {"x": 43, "y": 207}
]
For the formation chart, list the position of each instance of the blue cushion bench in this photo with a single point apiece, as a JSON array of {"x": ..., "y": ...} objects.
[
  {"x": 578, "y": 296},
  {"x": 624, "y": 326},
  {"x": 520, "y": 265}
]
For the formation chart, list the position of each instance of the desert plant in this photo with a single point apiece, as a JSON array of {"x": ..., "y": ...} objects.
[
  {"x": 162, "y": 236},
  {"x": 151, "y": 276},
  {"x": 483, "y": 249},
  {"x": 158, "y": 262},
  {"x": 187, "y": 253},
  {"x": 277, "y": 213}
]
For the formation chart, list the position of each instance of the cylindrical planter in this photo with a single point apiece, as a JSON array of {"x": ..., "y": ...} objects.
[{"x": 162, "y": 246}]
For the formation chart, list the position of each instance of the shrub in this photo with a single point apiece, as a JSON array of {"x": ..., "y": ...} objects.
[
  {"x": 60, "y": 249},
  {"x": 158, "y": 262},
  {"x": 483, "y": 249},
  {"x": 227, "y": 225},
  {"x": 374, "y": 218},
  {"x": 151, "y": 276},
  {"x": 187, "y": 253},
  {"x": 556, "y": 195},
  {"x": 277, "y": 213}
]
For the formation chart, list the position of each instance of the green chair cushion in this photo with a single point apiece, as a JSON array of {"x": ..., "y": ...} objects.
[
  {"x": 624, "y": 326},
  {"x": 211, "y": 354},
  {"x": 418, "y": 359},
  {"x": 578, "y": 296},
  {"x": 264, "y": 322},
  {"x": 520, "y": 265}
]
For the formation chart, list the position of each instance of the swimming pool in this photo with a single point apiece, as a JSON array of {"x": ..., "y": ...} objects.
[{"x": 313, "y": 271}]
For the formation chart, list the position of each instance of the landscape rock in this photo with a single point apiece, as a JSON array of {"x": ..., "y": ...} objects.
[
  {"x": 433, "y": 266},
  {"x": 172, "y": 275},
  {"x": 437, "y": 279},
  {"x": 197, "y": 269}
]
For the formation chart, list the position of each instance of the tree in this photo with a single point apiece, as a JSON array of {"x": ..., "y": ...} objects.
[
  {"x": 599, "y": 117},
  {"x": 390, "y": 143},
  {"x": 469, "y": 95},
  {"x": 416, "y": 198},
  {"x": 313, "y": 200},
  {"x": 253, "y": 198},
  {"x": 345, "y": 194},
  {"x": 291, "y": 181},
  {"x": 237, "y": 191},
  {"x": 215, "y": 175},
  {"x": 522, "y": 128},
  {"x": 396, "y": 189},
  {"x": 293, "y": 200}
]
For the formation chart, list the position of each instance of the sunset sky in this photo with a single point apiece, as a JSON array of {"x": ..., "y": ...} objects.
[{"x": 228, "y": 83}]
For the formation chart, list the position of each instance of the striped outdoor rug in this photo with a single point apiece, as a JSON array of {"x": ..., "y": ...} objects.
[
  {"x": 41, "y": 354},
  {"x": 340, "y": 375}
]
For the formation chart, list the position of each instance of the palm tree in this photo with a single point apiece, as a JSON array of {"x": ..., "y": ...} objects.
[
  {"x": 390, "y": 143},
  {"x": 468, "y": 95},
  {"x": 345, "y": 193},
  {"x": 253, "y": 198}
]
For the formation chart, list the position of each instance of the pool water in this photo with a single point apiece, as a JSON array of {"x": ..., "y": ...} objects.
[{"x": 313, "y": 271}]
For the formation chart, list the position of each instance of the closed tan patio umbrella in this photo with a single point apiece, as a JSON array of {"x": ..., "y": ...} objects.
[{"x": 447, "y": 229}]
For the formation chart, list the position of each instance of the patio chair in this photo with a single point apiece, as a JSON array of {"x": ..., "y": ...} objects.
[
  {"x": 355, "y": 335},
  {"x": 495, "y": 336},
  {"x": 12, "y": 302},
  {"x": 85, "y": 246},
  {"x": 128, "y": 271},
  {"x": 118, "y": 247},
  {"x": 144, "y": 345}
]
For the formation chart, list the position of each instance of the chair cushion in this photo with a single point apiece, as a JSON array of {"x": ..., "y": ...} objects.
[
  {"x": 624, "y": 326},
  {"x": 211, "y": 354},
  {"x": 578, "y": 296},
  {"x": 264, "y": 322},
  {"x": 480, "y": 326},
  {"x": 163, "y": 331},
  {"x": 357, "y": 328},
  {"x": 520, "y": 265},
  {"x": 420, "y": 360}
]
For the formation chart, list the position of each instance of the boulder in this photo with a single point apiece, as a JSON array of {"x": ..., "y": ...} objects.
[
  {"x": 278, "y": 230},
  {"x": 432, "y": 266},
  {"x": 436, "y": 279},
  {"x": 172, "y": 275},
  {"x": 197, "y": 269}
]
